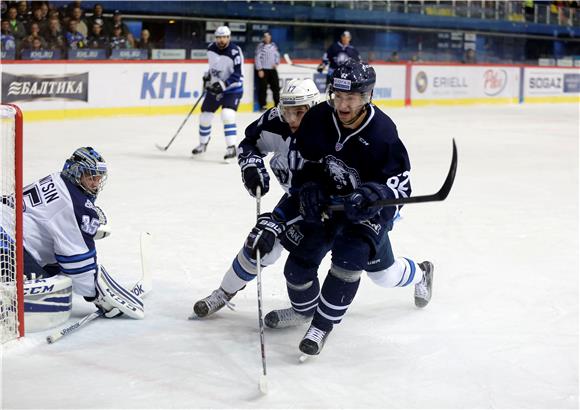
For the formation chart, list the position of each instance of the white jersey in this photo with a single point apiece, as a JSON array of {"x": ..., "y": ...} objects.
[
  {"x": 226, "y": 65},
  {"x": 60, "y": 222}
]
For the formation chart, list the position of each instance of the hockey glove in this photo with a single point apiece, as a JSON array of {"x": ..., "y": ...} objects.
[
  {"x": 206, "y": 79},
  {"x": 358, "y": 205},
  {"x": 254, "y": 174},
  {"x": 217, "y": 88},
  {"x": 264, "y": 234},
  {"x": 313, "y": 202},
  {"x": 320, "y": 67}
]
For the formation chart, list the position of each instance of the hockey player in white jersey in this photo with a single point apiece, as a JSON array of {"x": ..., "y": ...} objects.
[
  {"x": 271, "y": 133},
  {"x": 224, "y": 85},
  {"x": 60, "y": 223}
]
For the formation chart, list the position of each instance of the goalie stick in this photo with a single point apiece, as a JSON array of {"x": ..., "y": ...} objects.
[
  {"x": 289, "y": 61},
  {"x": 438, "y": 196},
  {"x": 141, "y": 289},
  {"x": 165, "y": 148}
]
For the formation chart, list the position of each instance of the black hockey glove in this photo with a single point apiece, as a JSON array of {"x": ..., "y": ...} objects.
[
  {"x": 206, "y": 79},
  {"x": 313, "y": 202},
  {"x": 254, "y": 174},
  {"x": 357, "y": 206},
  {"x": 264, "y": 234},
  {"x": 217, "y": 88},
  {"x": 320, "y": 68}
]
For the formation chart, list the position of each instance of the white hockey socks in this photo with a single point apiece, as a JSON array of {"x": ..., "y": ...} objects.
[
  {"x": 230, "y": 128},
  {"x": 403, "y": 272},
  {"x": 205, "y": 120}
]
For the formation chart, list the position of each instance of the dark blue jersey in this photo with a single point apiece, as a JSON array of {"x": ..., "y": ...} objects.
[
  {"x": 341, "y": 159},
  {"x": 337, "y": 54}
]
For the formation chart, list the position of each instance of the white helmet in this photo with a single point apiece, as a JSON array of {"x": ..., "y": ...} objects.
[
  {"x": 299, "y": 92},
  {"x": 222, "y": 31}
]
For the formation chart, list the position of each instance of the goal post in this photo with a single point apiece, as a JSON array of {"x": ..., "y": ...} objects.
[{"x": 11, "y": 229}]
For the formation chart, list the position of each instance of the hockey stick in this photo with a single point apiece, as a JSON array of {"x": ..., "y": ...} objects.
[
  {"x": 263, "y": 384},
  {"x": 438, "y": 196},
  {"x": 141, "y": 289},
  {"x": 289, "y": 61},
  {"x": 165, "y": 148}
]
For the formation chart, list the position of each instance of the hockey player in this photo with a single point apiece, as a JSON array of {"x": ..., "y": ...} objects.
[
  {"x": 60, "y": 224},
  {"x": 353, "y": 155},
  {"x": 224, "y": 85},
  {"x": 337, "y": 54},
  {"x": 271, "y": 133}
]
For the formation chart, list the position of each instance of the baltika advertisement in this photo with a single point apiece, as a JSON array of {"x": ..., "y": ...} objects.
[{"x": 26, "y": 87}]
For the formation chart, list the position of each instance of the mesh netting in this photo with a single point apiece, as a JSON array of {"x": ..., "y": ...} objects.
[{"x": 8, "y": 290}]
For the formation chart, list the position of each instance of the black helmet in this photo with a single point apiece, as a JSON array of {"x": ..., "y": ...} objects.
[{"x": 353, "y": 76}]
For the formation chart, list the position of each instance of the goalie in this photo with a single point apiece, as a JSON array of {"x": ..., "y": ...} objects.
[{"x": 60, "y": 225}]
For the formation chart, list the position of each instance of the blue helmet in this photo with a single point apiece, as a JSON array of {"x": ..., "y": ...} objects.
[
  {"x": 85, "y": 161},
  {"x": 353, "y": 76}
]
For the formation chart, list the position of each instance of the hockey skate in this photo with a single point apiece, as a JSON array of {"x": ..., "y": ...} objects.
[
  {"x": 230, "y": 152},
  {"x": 424, "y": 289},
  {"x": 313, "y": 341},
  {"x": 281, "y": 318},
  {"x": 200, "y": 149},
  {"x": 214, "y": 302}
]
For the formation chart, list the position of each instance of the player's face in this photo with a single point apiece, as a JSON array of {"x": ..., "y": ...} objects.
[
  {"x": 347, "y": 105},
  {"x": 222, "y": 41},
  {"x": 293, "y": 116},
  {"x": 92, "y": 183}
]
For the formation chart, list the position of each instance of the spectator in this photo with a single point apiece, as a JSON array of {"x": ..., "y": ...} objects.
[
  {"x": 54, "y": 37},
  {"x": 7, "y": 39},
  {"x": 23, "y": 14},
  {"x": 37, "y": 17},
  {"x": 118, "y": 40},
  {"x": 74, "y": 39},
  {"x": 45, "y": 9},
  {"x": 97, "y": 38},
  {"x": 469, "y": 57},
  {"x": 145, "y": 43},
  {"x": 118, "y": 21},
  {"x": 34, "y": 34},
  {"x": 77, "y": 14},
  {"x": 131, "y": 40},
  {"x": 394, "y": 57},
  {"x": 529, "y": 10},
  {"x": 98, "y": 17},
  {"x": 267, "y": 58},
  {"x": 16, "y": 26}
]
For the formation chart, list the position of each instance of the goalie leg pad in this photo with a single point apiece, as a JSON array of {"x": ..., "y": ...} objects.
[{"x": 117, "y": 296}]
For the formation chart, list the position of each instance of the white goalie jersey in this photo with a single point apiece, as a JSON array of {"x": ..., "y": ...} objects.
[{"x": 60, "y": 222}]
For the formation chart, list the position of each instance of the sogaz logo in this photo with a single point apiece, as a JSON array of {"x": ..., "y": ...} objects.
[{"x": 421, "y": 82}]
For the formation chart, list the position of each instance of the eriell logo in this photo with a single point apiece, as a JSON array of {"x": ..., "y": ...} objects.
[{"x": 341, "y": 84}]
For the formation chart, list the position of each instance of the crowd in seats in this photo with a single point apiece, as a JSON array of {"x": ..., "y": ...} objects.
[{"x": 43, "y": 25}]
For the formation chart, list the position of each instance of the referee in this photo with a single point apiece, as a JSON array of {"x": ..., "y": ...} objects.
[{"x": 267, "y": 59}]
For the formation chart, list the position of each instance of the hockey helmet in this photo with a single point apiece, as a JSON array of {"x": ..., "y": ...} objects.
[
  {"x": 353, "y": 76},
  {"x": 85, "y": 161},
  {"x": 222, "y": 31},
  {"x": 297, "y": 93}
]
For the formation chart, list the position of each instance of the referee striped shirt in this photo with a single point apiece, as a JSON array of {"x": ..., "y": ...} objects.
[{"x": 267, "y": 56}]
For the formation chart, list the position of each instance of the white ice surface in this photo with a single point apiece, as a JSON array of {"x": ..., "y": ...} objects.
[{"x": 500, "y": 332}]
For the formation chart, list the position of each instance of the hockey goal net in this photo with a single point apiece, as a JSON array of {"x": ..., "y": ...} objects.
[{"x": 11, "y": 250}]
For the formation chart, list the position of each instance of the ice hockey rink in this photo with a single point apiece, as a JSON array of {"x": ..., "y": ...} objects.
[{"x": 500, "y": 332}]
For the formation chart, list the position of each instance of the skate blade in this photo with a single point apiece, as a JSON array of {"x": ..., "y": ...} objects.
[{"x": 263, "y": 384}]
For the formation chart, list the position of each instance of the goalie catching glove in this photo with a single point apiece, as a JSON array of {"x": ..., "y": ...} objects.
[
  {"x": 264, "y": 234},
  {"x": 114, "y": 300},
  {"x": 254, "y": 174}
]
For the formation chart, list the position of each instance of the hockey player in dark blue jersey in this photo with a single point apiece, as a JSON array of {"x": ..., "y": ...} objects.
[
  {"x": 337, "y": 54},
  {"x": 224, "y": 85},
  {"x": 352, "y": 154}
]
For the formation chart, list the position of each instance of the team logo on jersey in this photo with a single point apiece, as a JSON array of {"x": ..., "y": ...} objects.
[
  {"x": 273, "y": 114},
  {"x": 345, "y": 178},
  {"x": 294, "y": 235},
  {"x": 376, "y": 228}
]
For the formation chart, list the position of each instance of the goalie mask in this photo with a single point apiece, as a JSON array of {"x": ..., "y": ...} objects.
[
  {"x": 350, "y": 79},
  {"x": 297, "y": 97},
  {"x": 87, "y": 169}
]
